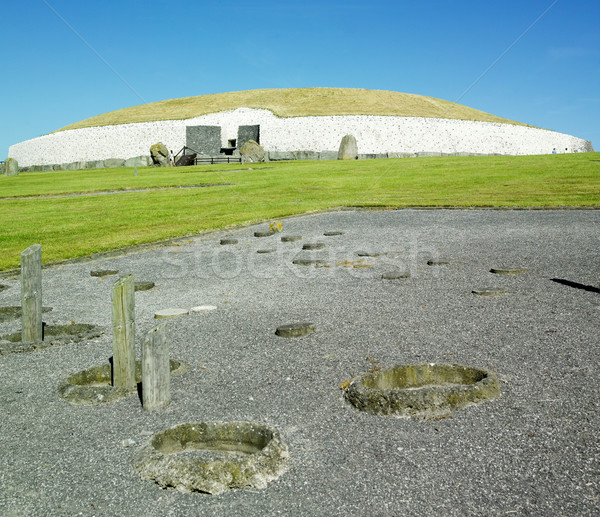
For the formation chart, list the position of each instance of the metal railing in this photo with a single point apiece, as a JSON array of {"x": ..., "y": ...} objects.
[
  {"x": 198, "y": 160},
  {"x": 218, "y": 159}
]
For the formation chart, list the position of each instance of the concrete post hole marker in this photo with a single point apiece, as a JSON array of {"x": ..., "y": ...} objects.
[
  {"x": 509, "y": 270},
  {"x": 440, "y": 261},
  {"x": 311, "y": 246},
  {"x": 170, "y": 313},
  {"x": 292, "y": 330},
  {"x": 94, "y": 386},
  {"x": 291, "y": 238},
  {"x": 489, "y": 291},
  {"x": 422, "y": 389},
  {"x": 212, "y": 457},
  {"x": 204, "y": 308},
  {"x": 103, "y": 272},
  {"x": 395, "y": 275}
]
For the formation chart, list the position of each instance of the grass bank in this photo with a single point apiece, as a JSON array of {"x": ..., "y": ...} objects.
[
  {"x": 76, "y": 226},
  {"x": 294, "y": 102}
]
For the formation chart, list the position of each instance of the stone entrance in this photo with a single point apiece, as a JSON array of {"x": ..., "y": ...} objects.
[
  {"x": 204, "y": 139},
  {"x": 246, "y": 133}
]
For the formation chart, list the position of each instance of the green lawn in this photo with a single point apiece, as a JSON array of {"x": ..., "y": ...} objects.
[{"x": 71, "y": 227}]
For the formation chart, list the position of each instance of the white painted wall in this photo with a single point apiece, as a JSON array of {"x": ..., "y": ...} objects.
[{"x": 374, "y": 134}]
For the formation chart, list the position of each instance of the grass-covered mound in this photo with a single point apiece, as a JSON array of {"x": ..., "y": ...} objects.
[{"x": 295, "y": 102}]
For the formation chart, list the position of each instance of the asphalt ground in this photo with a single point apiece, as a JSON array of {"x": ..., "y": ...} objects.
[{"x": 535, "y": 450}]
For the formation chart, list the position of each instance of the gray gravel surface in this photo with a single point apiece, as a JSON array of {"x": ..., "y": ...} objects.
[{"x": 533, "y": 451}]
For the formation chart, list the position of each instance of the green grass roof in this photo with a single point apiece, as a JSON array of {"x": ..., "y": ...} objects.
[{"x": 294, "y": 102}]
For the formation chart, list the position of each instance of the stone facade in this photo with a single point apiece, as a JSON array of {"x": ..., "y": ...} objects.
[{"x": 376, "y": 135}]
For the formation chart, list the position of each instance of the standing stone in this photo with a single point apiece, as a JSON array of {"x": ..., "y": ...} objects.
[
  {"x": 11, "y": 166},
  {"x": 348, "y": 148},
  {"x": 159, "y": 154},
  {"x": 252, "y": 152},
  {"x": 247, "y": 133}
]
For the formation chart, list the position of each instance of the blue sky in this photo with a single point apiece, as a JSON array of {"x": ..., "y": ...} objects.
[{"x": 65, "y": 60}]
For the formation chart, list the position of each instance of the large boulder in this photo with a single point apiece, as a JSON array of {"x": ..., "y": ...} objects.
[
  {"x": 252, "y": 152},
  {"x": 11, "y": 166},
  {"x": 348, "y": 148},
  {"x": 159, "y": 154}
]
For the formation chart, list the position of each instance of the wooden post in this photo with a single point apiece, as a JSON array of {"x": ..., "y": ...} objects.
[
  {"x": 156, "y": 371},
  {"x": 31, "y": 294},
  {"x": 123, "y": 320}
]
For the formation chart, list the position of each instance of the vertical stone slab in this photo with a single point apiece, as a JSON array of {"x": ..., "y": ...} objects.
[
  {"x": 123, "y": 321},
  {"x": 31, "y": 294},
  {"x": 204, "y": 139},
  {"x": 11, "y": 166},
  {"x": 247, "y": 133},
  {"x": 348, "y": 148},
  {"x": 156, "y": 372}
]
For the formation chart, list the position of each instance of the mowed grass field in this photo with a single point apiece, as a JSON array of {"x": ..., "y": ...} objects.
[{"x": 80, "y": 225}]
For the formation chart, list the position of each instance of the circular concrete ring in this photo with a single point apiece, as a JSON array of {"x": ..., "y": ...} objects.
[
  {"x": 14, "y": 313},
  {"x": 395, "y": 275},
  {"x": 295, "y": 329},
  {"x": 509, "y": 270},
  {"x": 308, "y": 262},
  {"x": 291, "y": 238},
  {"x": 204, "y": 308},
  {"x": 94, "y": 386},
  {"x": 332, "y": 234},
  {"x": 269, "y": 250},
  {"x": 438, "y": 262},
  {"x": 170, "y": 313},
  {"x": 104, "y": 272},
  {"x": 54, "y": 335},
  {"x": 422, "y": 389},
  {"x": 225, "y": 242},
  {"x": 311, "y": 246},
  {"x": 264, "y": 234},
  {"x": 490, "y": 291},
  {"x": 213, "y": 457},
  {"x": 143, "y": 286}
]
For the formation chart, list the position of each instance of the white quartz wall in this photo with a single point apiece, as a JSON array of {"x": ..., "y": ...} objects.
[{"x": 374, "y": 134}]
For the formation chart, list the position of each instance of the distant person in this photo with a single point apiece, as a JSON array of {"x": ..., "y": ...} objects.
[
  {"x": 554, "y": 151},
  {"x": 171, "y": 158}
]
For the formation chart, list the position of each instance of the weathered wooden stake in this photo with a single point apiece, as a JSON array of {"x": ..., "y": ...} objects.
[
  {"x": 123, "y": 320},
  {"x": 156, "y": 371},
  {"x": 31, "y": 294}
]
